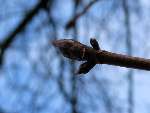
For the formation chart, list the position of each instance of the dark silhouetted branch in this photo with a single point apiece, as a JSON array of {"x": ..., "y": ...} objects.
[
  {"x": 125, "y": 6},
  {"x": 72, "y": 22},
  {"x": 12, "y": 36},
  {"x": 77, "y": 51}
]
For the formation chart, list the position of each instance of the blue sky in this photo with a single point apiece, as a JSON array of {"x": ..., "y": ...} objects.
[{"x": 29, "y": 75}]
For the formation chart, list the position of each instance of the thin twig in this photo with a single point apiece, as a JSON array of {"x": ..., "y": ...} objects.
[
  {"x": 77, "y": 51},
  {"x": 106, "y": 57},
  {"x": 72, "y": 22},
  {"x": 12, "y": 36},
  {"x": 127, "y": 22}
]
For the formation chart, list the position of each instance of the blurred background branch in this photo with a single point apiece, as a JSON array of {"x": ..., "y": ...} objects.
[
  {"x": 128, "y": 42},
  {"x": 73, "y": 21},
  {"x": 11, "y": 37}
]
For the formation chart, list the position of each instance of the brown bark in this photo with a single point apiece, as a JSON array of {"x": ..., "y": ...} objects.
[
  {"x": 78, "y": 51},
  {"x": 106, "y": 57}
]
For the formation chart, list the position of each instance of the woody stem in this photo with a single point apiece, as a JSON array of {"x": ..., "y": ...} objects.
[{"x": 105, "y": 57}]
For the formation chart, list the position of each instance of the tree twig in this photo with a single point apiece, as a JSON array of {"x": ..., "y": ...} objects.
[
  {"x": 12, "y": 36},
  {"x": 72, "y": 22},
  {"x": 77, "y": 51}
]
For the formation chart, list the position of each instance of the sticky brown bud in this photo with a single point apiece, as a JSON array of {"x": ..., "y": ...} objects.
[
  {"x": 94, "y": 44},
  {"x": 71, "y": 49},
  {"x": 85, "y": 67}
]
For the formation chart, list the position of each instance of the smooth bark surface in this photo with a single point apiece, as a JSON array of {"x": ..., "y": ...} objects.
[{"x": 77, "y": 51}]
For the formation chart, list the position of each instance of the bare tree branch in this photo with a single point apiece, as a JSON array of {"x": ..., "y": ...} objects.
[
  {"x": 77, "y": 51},
  {"x": 125, "y": 6},
  {"x": 72, "y": 22},
  {"x": 12, "y": 36}
]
